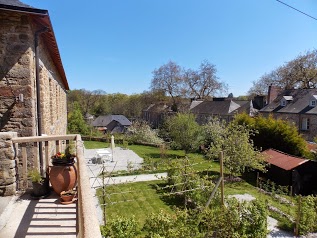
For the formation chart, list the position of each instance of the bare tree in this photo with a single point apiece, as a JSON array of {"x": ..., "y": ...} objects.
[
  {"x": 168, "y": 78},
  {"x": 300, "y": 72},
  {"x": 203, "y": 82}
]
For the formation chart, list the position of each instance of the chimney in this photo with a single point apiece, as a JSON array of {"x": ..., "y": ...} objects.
[
  {"x": 259, "y": 102},
  {"x": 272, "y": 93}
]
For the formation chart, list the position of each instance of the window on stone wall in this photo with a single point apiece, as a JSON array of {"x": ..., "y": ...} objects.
[{"x": 305, "y": 124}]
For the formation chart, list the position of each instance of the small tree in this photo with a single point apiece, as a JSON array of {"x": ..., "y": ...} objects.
[
  {"x": 76, "y": 122},
  {"x": 185, "y": 131},
  {"x": 140, "y": 131},
  {"x": 239, "y": 153}
]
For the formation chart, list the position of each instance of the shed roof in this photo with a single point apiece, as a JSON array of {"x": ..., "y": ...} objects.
[
  {"x": 283, "y": 160},
  {"x": 41, "y": 18}
]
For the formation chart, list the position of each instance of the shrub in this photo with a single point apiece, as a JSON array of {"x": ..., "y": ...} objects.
[
  {"x": 121, "y": 227},
  {"x": 141, "y": 132}
]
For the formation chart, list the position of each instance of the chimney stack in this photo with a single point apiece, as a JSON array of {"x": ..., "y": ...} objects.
[{"x": 272, "y": 93}]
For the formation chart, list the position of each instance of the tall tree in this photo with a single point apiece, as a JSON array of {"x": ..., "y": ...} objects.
[
  {"x": 239, "y": 153},
  {"x": 168, "y": 78},
  {"x": 203, "y": 82},
  {"x": 300, "y": 72}
]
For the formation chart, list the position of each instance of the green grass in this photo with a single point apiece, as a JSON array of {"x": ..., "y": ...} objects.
[
  {"x": 95, "y": 144},
  {"x": 139, "y": 200},
  {"x": 143, "y": 198}
]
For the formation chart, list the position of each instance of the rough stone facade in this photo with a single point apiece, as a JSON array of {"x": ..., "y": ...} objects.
[
  {"x": 18, "y": 78},
  {"x": 296, "y": 119},
  {"x": 7, "y": 164}
]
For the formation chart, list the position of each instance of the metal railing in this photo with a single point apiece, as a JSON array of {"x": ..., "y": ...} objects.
[{"x": 27, "y": 149}]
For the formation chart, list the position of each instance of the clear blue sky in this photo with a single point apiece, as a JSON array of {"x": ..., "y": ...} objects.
[{"x": 114, "y": 45}]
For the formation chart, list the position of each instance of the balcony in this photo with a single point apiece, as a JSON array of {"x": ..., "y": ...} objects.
[{"x": 47, "y": 217}]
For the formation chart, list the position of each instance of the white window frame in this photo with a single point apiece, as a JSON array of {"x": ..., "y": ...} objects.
[
  {"x": 305, "y": 124},
  {"x": 313, "y": 103}
]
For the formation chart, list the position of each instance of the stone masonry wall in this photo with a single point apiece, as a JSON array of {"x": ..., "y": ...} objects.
[
  {"x": 7, "y": 164},
  {"x": 16, "y": 74}
]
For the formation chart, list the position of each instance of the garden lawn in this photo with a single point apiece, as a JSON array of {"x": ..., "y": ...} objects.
[
  {"x": 142, "y": 198},
  {"x": 134, "y": 199},
  {"x": 96, "y": 144}
]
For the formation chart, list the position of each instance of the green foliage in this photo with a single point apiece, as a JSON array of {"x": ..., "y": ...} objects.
[
  {"x": 186, "y": 182},
  {"x": 236, "y": 219},
  {"x": 180, "y": 225},
  {"x": 35, "y": 176},
  {"x": 76, "y": 123},
  {"x": 141, "y": 132},
  {"x": 307, "y": 215},
  {"x": 121, "y": 227},
  {"x": 277, "y": 134},
  {"x": 239, "y": 153},
  {"x": 184, "y": 130}
]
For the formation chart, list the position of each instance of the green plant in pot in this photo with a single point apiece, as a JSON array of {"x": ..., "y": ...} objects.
[
  {"x": 41, "y": 188},
  {"x": 68, "y": 196}
]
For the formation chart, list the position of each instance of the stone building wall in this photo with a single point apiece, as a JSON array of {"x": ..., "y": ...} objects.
[
  {"x": 17, "y": 76},
  {"x": 296, "y": 120}
]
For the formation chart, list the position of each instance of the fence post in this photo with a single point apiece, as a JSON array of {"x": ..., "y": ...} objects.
[
  {"x": 222, "y": 179},
  {"x": 296, "y": 232}
]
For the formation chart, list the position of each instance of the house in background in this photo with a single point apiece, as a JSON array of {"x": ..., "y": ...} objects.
[
  {"x": 221, "y": 108},
  {"x": 111, "y": 123},
  {"x": 297, "y": 106},
  {"x": 288, "y": 170},
  {"x": 33, "y": 85},
  {"x": 156, "y": 113}
]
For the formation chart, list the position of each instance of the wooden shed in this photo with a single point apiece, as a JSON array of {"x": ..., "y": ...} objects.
[{"x": 288, "y": 170}]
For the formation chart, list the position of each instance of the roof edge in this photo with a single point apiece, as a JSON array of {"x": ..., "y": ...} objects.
[{"x": 24, "y": 9}]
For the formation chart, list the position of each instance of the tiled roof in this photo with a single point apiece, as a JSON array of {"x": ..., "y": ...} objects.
[
  {"x": 215, "y": 107},
  {"x": 283, "y": 160},
  {"x": 103, "y": 121},
  {"x": 299, "y": 104}
]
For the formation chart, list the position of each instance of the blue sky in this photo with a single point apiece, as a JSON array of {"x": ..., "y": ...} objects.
[{"x": 115, "y": 45}]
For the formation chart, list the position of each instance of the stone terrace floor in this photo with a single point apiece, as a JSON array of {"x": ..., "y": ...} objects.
[{"x": 39, "y": 218}]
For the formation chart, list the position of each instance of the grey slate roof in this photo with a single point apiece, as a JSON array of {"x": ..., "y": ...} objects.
[
  {"x": 103, "y": 121},
  {"x": 215, "y": 107},
  {"x": 299, "y": 104}
]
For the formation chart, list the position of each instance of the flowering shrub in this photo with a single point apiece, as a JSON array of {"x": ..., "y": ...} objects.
[{"x": 140, "y": 132}]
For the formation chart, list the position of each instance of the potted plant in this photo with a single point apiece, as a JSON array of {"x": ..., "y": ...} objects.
[
  {"x": 63, "y": 173},
  {"x": 41, "y": 188},
  {"x": 67, "y": 196}
]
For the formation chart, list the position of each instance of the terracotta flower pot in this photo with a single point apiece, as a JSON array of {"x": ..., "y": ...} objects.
[
  {"x": 67, "y": 198},
  {"x": 63, "y": 177}
]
